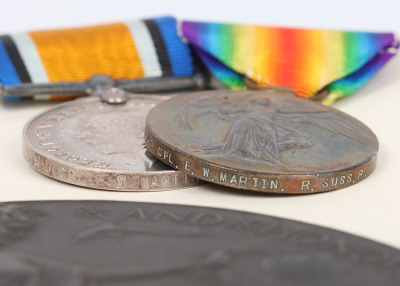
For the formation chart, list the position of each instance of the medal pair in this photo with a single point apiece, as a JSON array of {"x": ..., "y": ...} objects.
[{"x": 267, "y": 140}]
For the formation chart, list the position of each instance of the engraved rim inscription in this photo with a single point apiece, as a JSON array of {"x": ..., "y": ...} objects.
[
  {"x": 96, "y": 145},
  {"x": 262, "y": 141}
]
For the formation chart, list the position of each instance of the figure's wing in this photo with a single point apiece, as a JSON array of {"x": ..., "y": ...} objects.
[
  {"x": 189, "y": 112},
  {"x": 329, "y": 121}
]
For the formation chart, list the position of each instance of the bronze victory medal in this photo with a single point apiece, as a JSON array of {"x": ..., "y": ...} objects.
[
  {"x": 94, "y": 144},
  {"x": 261, "y": 140},
  {"x": 92, "y": 243}
]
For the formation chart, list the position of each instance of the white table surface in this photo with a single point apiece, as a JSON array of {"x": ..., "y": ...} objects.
[{"x": 370, "y": 208}]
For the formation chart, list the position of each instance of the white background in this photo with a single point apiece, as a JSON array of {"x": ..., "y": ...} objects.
[{"x": 370, "y": 208}]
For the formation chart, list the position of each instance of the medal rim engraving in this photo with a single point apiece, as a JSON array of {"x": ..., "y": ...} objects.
[
  {"x": 31, "y": 153},
  {"x": 288, "y": 183}
]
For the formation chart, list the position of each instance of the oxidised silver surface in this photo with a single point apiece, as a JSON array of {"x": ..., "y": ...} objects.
[
  {"x": 94, "y": 144},
  {"x": 262, "y": 141},
  {"x": 89, "y": 243}
]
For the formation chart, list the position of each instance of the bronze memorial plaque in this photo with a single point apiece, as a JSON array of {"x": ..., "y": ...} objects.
[
  {"x": 261, "y": 140},
  {"x": 91, "y": 143},
  {"x": 99, "y": 243}
]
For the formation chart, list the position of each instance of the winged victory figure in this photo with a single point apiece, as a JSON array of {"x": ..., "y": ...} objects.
[{"x": 262, "y": 127}]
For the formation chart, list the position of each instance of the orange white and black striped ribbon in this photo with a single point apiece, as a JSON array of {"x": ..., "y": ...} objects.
[{"x": 148, "y": 48}]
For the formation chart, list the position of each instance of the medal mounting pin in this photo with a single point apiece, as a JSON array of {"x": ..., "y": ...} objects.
[{"x": 109, "y": 90}]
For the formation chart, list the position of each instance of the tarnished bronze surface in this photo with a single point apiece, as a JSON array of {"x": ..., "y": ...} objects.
[
  {"x": 262, "y": 141},
  {"x": 93, "y": 144},
  {"x": 89, "y": 243}
]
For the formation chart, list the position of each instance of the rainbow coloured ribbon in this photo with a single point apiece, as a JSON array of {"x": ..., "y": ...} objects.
[{"x": 308, "y": 61}]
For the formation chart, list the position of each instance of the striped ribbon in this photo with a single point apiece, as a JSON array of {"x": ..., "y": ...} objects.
[
  {"x": 308, "y": 61},
  {"x": 148, "y": 48}
]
